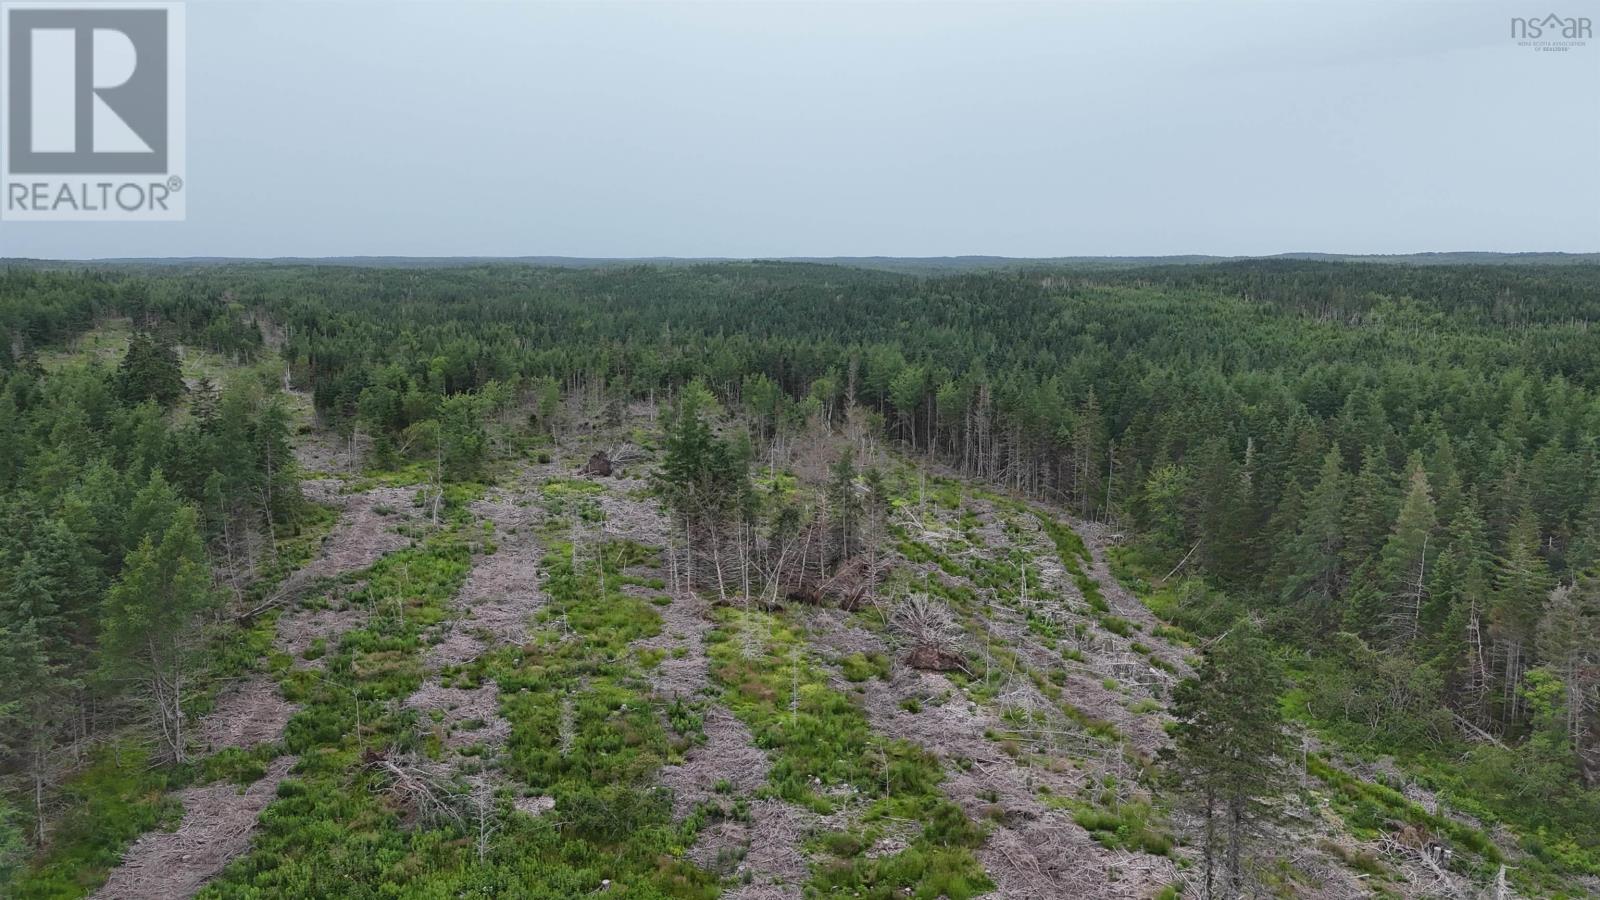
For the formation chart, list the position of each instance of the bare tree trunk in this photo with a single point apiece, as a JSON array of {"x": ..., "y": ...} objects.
[
  {"x": 716, "y": 562},
  {"x": 39, "y": 750},
  {"x": 1235, "y": 847}
]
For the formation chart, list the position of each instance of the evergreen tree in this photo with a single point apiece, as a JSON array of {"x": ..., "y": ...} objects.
[
  {"x": 1228, "y": 749},
  {"x": 1584, "y": 556},
  {"x": 1568, "y": 640},
  {"x": 36, "y": 701},
  {"x": 1522, "y": 582},
  {"x": 1222, "y": 514},
  {"x": 1278, "y": 539},
  {"x": 1454, "y": 619},
  {"x": 704, "y": 479},
  {"x": 152, "y": 622},
  {"x": 150, "y": 513},
  {"x": 275, "y": 461},
  {"x": 1370, "y": 510},
  {"x": 463, "y": 443},
  {"x": 1313, "y": 565},
  {"x": 149, "y": 371},
  {"x": 1405, "y": 561}
]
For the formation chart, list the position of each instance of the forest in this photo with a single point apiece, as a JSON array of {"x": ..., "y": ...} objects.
[{"x": 962, "y": 584}]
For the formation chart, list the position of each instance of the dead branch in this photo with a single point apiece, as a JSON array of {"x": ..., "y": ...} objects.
[{"x": 420, "y": 785}]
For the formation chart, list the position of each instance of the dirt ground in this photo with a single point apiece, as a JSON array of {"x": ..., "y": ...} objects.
[
  {"x": 367, "y": 529},
  {"x": 1034, "y": 852},
  {"x": 766, "y": 852},
  {"x": 493, "y": 608},
  {"x": 465, "y": 716}
]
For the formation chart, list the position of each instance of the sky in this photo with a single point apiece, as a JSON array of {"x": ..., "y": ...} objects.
[{"x": 761, "y": 129}]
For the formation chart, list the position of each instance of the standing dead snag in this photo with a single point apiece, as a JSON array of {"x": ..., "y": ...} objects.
[{"x": 485, "y": 815}]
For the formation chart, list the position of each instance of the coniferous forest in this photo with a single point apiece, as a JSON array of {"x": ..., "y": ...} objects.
[{"x": 771, "y": 579}]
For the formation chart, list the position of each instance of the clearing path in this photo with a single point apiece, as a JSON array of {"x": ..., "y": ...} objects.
[
  {"x": 502, "y": 591},
  {"x": 763, "y": 854},
  {"x": 369, "y": 528},
  {"x": 500, "y": 596},
  {"x": 1099, "y": 540},
  {"x": 218, "y": 818},
  {"x": 248, "y": 714},
  {"x": 217, "y": 822}
]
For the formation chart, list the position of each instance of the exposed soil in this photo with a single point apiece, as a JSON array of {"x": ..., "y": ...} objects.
[
  {"x": 501, "y": 594},
  {"x": 216, "y": 826},
  {"x": 1033, "y": 851},
  {"x": 631, "y": 517},
  {"x": 763, "y": 854},
  {"x": 684, "y": 625},
  {"x": 534, "y": 806},
  {"x": 1108, "y": 658},
  {"x": 776, "y": 865},
  {"x": 367, "y": 530},
  {"x": 1099, "y": 539}
]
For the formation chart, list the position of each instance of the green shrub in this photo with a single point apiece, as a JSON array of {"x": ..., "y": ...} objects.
[
  {"x": 858, "y": 667},
  {"x": 1129, "y": 826}
]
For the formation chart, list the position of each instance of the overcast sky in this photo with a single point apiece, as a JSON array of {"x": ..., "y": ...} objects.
[{"x": 909, "y": 129}]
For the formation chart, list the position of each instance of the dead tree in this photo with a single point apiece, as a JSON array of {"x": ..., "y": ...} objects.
[
  {"x": 930, "y": 631},
  {"x": 420, "y": 785}
]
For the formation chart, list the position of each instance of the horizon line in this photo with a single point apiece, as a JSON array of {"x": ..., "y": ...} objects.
[{"x": 796, "y": 257}]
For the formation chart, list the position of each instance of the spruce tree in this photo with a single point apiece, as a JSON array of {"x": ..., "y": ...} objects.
[
  {"x": 1405, "y": 561},
  {"x": 1568, "y": 641},
  {"x": 149, "y": 371},
  {"x": 1314, "y": 565},
  {"x": 1522, "y": 581},
  {"x": 152, "y": 621},
  {"x": 1228, "y": 749},
  {"x": 844, "y": 505},
  {"x": 1455, "y": 619},
  {"x": 1371, "y": 509},
  {"x": 703, "y": 479}
]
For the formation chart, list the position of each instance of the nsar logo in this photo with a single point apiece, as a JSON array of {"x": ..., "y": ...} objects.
[{"x": 1553, "y": 32}]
